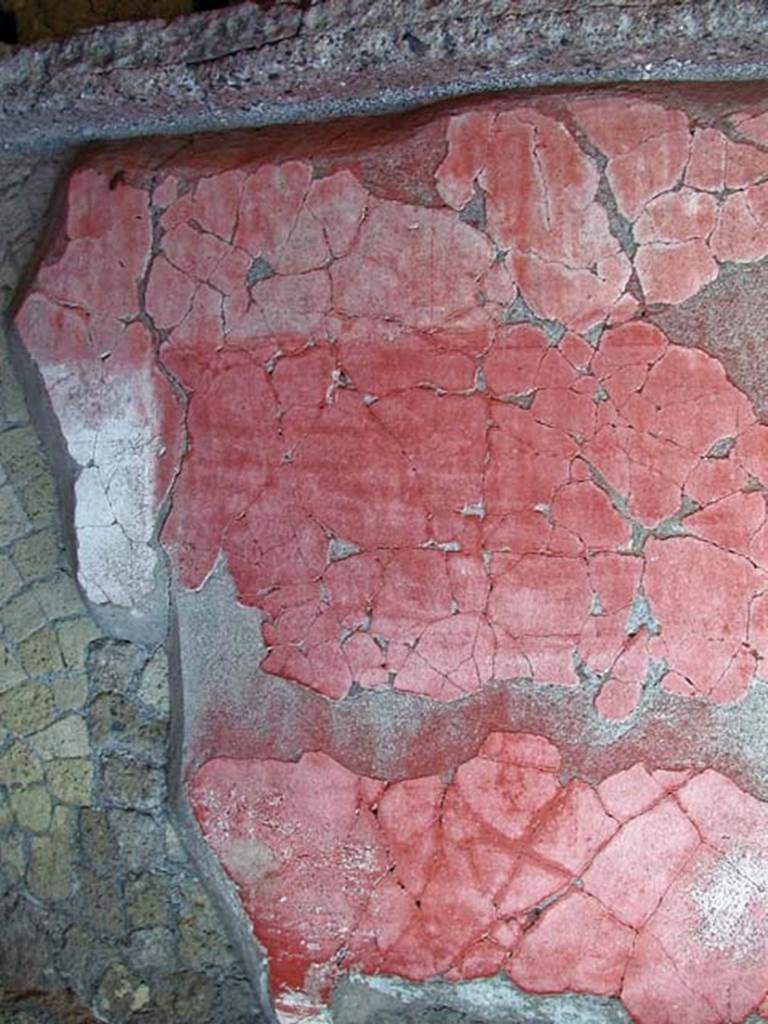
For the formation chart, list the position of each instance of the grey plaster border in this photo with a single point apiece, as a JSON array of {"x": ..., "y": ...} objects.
[
  {"x": 220, "y": 888},
  {"x": 317, "y": 60}
]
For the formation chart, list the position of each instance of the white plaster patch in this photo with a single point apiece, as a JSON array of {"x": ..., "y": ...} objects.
[
  {"x": 113, "y": 436},
  {"x": 730, "y": 899},
  {"x": 296, "y": 1008}
]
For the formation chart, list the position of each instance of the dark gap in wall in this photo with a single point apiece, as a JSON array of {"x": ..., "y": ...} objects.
[
  {"x": 264, "y": 5},
  {"x": 210, "y": 5},
  {"x": 9, "y": 32}
]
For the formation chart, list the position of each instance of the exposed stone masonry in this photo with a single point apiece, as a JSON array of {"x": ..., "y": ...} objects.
[{"x": 100, "y": 905}]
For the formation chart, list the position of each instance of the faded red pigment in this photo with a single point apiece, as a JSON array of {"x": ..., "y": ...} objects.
[{"x": 422, "y": 409}]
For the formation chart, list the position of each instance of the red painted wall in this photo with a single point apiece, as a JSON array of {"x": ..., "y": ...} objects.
[{"x": 413, "y": 382}]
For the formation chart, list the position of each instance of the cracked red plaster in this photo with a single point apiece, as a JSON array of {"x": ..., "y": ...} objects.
[
  {"x": 502, "y": 868},
  {"x": 441, "y": 445}
]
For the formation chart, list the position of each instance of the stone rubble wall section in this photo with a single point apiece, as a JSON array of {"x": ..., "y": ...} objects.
[{"x": 102, "y": 909}]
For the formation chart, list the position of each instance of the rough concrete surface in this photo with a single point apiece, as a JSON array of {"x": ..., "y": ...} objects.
[
  {"x": 296, "y": 62},
  {"x": 391, "y": 1001}
]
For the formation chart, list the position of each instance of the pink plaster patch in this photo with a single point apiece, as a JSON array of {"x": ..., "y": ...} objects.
[{"x": 492, "y": 871}]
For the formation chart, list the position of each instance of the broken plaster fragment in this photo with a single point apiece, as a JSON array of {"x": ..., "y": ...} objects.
[
  {"x": 339, "y": 549},
  {"x": 260, "y": 270},
  {"x": 722, "y": 448}
]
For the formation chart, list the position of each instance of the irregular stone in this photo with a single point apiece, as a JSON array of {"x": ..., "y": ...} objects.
[
  {"x": 36, "y": 555},
  {"x": 13, "y": 409},
  {"x": 40, "y": 501},
  {"x": 186, "y": 996},
  {"x": 139, "y": 839},
  {"x": 11, "y": 672},
  {"x": 60, "y": 597},
  {"x": 120, "y": 994},
  {"x": 147, "y": 902},
  {"x": 13, "y": 518},
  {"x": 202, "y": 942},
  {"x": 13, "y": 856},
  {"x": 132, "y": 784},
  {"x": 74, "y": 637},
  {"x": 113, "y": 664},
  {"x": 69, "y": 780},
  {"x": 71, "y": 692},
  {"x": 150, "y": 947},
  {"x": 40, "y": 654},
  {"x": 50, "y": 861},
  {"x": 30, "y": 939},
  {"x": 21, "y": 455},
  {"x": 32, "y": 808},
  {"x": 68, "y": 737},
  {"x": 153, "y": 688},
  {"x": 96, "y": 841},
  {"x": 10, "y": 580},
  {"x": 112, "y": 718},
  {"x": 6, "y": 815},
  {"x": 27, "y": 708},
  {"x": 22, "y": 615},
  {"x": 235, "y": 1002},
  {"x": 117, "y": 723},
  {"x": 19, "y": 766},
  {"x": 100, "y": 903},
  {"x": 86, "y": 955}
]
